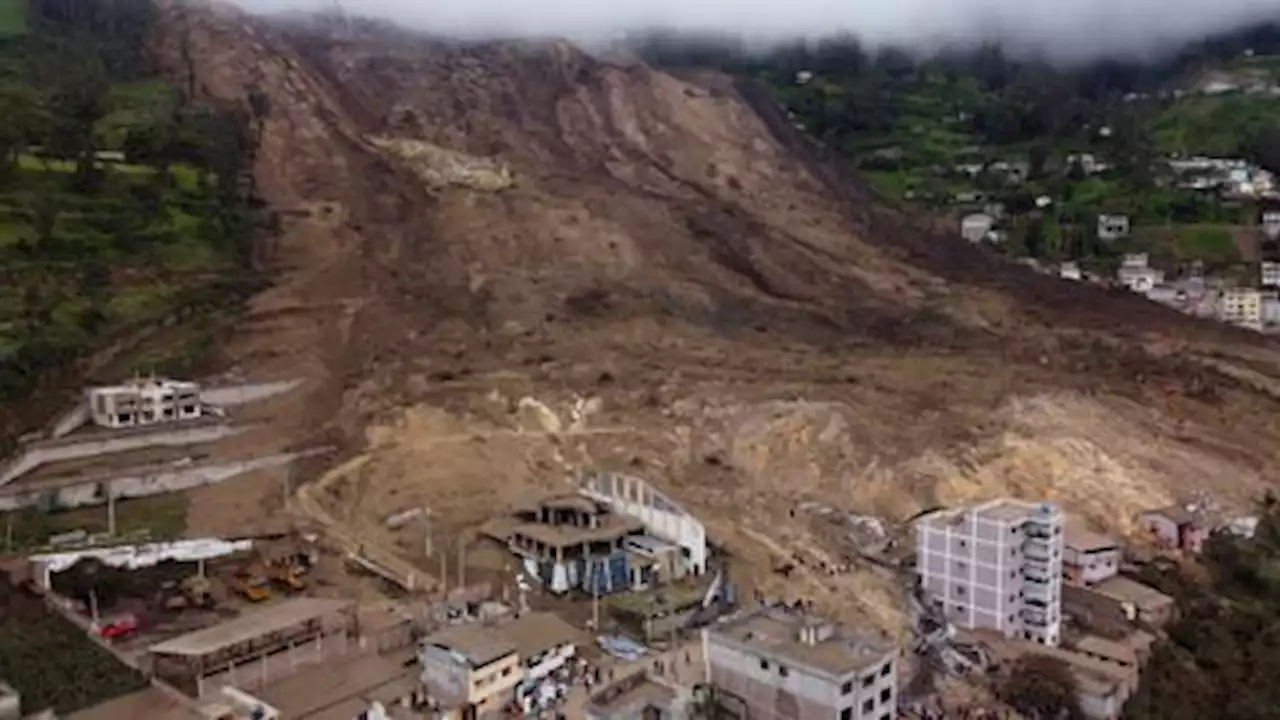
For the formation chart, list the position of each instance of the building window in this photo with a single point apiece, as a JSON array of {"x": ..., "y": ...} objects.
[
  {"x": 884, "y": 671},
  {"x": 964, "y": 543},
  {"x": 783, "y": 671},
  {"x": 959, "y": 590},
  {"x": 764, "y": 664},
  {"x": 868, "y": 705},
  {"x": 885, "y": 694},
  {"x": 846, "y": 688},
  {"x": 868, "y": 680},
  {"x": 846, "y": 714},
  {"x": 885, "y": 717},
  {"x": 961, "y": 565}
]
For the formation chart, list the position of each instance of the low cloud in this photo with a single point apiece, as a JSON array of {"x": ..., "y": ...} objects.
[{"x": 1063, "y": 28}]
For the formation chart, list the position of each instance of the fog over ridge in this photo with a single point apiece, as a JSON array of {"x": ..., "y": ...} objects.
[{"x": 1062, "y": 28}]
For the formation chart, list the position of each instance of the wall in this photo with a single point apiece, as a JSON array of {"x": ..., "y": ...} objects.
[
  {"x": 444, "y": 674},
  {"x": 148, "y": 482},
  {"x": 1089, "y": 568},
  {"x": 662, "y": 517},
  {"x": 232, "y": 395},
  {"x": 37, "y": 454}
]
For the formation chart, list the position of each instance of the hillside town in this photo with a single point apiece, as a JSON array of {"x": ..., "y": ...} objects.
[{"x": 611, "y": 601}]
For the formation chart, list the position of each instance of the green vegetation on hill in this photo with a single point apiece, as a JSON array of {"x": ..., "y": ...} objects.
[
  {"x": 13, "y": 17},
  {"x": 124, "y": 205},
  {"x": 960, "y": 130},
  {"x": 1222, "y": 655},
  {"x": 51, "y": 662}
]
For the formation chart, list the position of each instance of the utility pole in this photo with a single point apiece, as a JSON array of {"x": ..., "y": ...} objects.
[
  {"x": 111, "y": 511},
  {"x": 462, "y": 562},
  {"x": 444, "y": 573},
  {"x": 595, "y": 602}
]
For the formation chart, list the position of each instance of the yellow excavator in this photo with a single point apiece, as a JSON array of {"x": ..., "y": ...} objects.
[
  {"x": 252, "y": 587},
  {"x": 288, "y": 575}
]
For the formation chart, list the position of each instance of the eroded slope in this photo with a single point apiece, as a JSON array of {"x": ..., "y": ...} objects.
[{"x": 692, "y": 295}]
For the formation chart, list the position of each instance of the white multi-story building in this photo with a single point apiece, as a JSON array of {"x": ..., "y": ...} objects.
[
  {"x": 997, "y": 565},
  {"x": 1271, "y": 224},
  {"x": 144, "y": 402},
  {"x": 1113, "y": 227},
  {"x": 1269, "y": 274},
  {"x": 1241, "y": 306},
  {"x": 1136, "y": 274}
]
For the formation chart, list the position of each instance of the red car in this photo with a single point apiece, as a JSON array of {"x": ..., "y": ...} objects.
[{"x": 118, "y": 627}]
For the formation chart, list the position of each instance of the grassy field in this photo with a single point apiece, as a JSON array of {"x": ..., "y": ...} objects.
[
  {"x": 1212, "y": 125},
  {"x": 162, "y": 516},
  {"x": 13, "y": 17},
  {"x": 51, "y": 662}
]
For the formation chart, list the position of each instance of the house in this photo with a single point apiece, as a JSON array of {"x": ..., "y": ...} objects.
[
  {"x": 976, "y": 226},
  {"x": 1070, "y": 270},
  {"x": 957, "y": 547},
  {"x": 1271, "y": 224},
  {"x": 778, "y": 662},
  {"x": 1270, "y": 309},
  {"x": 1087, "y": 557},
  {"x": 570, "y": 541},
  {"x": 545, "y": 644},
  {"x": 1137, "y": 275},
  {"x": 1241, "y": 306},
  {"x": 470, "y": 670},
  {"x": 1269, "y": 274},
  {"x": 1089, "y": 164},
  {"x": 143, "y": 402},
  {"x": 1138, "y": 602},
  {"x": 1101, "y": 685},
  {"x": 1174, "y": 528},
  {"x": 1113, "y": 227}
]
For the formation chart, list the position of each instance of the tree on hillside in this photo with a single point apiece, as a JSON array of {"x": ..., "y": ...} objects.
[
  {"x": 1222, "y": 654},
  {"x": 1041, "y": 688}
]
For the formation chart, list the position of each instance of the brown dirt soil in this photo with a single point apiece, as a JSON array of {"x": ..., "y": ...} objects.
[{"x": 665, "y": 258}]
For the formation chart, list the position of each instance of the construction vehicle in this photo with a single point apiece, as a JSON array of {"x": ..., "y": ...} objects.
[
  {"x": 288, "y": 575},
  {"x": 192, "y": 592},
  {"x": 252, "y": 587}
]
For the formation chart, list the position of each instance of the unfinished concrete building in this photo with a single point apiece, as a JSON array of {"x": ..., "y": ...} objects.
[
  {"x": 617, "y": 535},
  {"x": 780, "y": 663},
  {"x": 148, "y": 401},
  {"x": 997, "y": 565}
]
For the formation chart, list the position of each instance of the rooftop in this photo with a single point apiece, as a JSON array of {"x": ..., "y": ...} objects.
[
  {"x": 1005, "y": 510},
  {"x": 777, "y": 631},
  {"x": 627, "y": 693},
  {"x": 480, "y": 644},
  {"x": 1100, "y": 647},
  {"x": 537, "y": 632},
  {"x": 572, "y": 502},
  {"x": 336, "y": 684},
  {"x": 1082, "y": 540},
  {"x": 250, "y": 626},
  {"x": 611, "y": 526},
  {"x": 1122, "y": 589},
  {"x": 1177, "y": 513}
]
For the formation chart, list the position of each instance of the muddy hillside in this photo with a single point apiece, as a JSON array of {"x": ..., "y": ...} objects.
[{"x": 657, "y": 275}]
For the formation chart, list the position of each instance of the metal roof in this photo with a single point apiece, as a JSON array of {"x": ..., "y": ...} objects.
[{"x": 253, "y": 625}]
